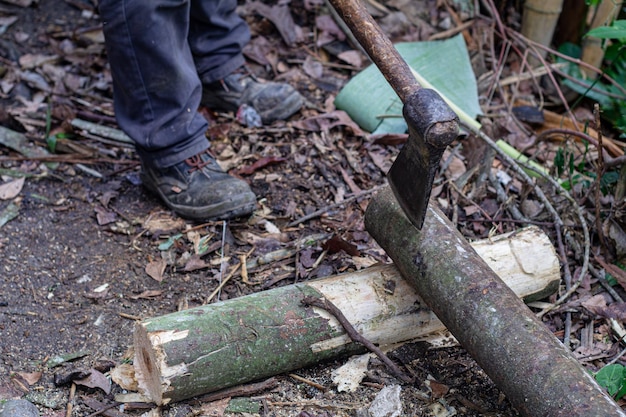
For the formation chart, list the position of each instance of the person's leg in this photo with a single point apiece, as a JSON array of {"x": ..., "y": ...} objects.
[
  {"x": 155, "y": 84},
  {"x": 157, "y": 92},
  {"x": 217, "y": 36}
]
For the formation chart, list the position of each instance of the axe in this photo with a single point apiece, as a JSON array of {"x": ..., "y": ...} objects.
[{"x": 432, "y": 123}]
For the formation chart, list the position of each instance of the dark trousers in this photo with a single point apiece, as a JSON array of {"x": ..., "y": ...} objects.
[{"x": 160, "y": 52}]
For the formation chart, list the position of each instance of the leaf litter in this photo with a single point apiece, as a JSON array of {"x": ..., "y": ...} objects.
[{"x": 60, "y": 222}]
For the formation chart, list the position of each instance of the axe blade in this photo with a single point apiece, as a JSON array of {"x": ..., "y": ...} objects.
[{"x": 432, "y": 127}]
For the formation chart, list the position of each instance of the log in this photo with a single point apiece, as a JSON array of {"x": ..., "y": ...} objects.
[
  {"x": 523, "y": 358},
  {"x": 204, "y": 349}
]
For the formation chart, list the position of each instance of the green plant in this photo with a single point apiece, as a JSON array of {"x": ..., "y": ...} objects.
[
  {"x": 610, "y": 96},
  {"x": 613, "y": 378}
]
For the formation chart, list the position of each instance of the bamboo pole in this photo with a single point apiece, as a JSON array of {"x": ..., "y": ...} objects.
[
  {"x": 592, "y": 50},
  {"x": 523, "y": 358},
  {"x": 539, "y": 21}
]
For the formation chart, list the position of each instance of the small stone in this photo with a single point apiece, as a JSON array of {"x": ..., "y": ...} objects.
[{"x": 18, "y": 408}]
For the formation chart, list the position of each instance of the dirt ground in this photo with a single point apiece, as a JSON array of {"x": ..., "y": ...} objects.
[{"x": 85, "y": 257}]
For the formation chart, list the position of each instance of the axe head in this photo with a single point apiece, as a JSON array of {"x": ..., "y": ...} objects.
[{"x": 432, "y": 127}]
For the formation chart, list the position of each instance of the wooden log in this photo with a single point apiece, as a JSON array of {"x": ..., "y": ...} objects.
[
  {"x": 196, "y": 351},
  {"x": 523, "y": 358}
]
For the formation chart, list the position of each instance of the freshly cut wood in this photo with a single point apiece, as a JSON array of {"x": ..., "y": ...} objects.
[
  {"x": 208, "y": 348},
  {"x": 523, "y": 358}
]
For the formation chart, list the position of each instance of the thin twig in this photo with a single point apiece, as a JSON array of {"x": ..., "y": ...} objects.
[
  {"x": 598, "y": 181},
  {"x": 103, "y": 409},
  {"x": 238, "y": 391},
  {"x": 323, "y": 210},
  {"x": 70, "y": 401},
  {"x": 355, "y": 336},
  {"x": 309, "y": 382},
  {"x": 568, "y": 283}
]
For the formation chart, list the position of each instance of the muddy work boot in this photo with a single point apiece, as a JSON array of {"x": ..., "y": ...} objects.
[
  {"x": 272, "y": 101},
  {"x": 199, "y": 189}
]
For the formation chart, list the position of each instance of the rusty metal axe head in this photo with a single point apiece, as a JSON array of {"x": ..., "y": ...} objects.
[{"x": 432, "y": 127}]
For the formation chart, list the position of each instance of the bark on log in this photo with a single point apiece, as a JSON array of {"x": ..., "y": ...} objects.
[
  {"x": 204, "y": 349},
  {"x": 523, "y": 358}
]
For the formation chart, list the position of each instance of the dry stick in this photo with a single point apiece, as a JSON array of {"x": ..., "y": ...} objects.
[
  {"x": 70, "y": 400},
  {"x": 327, "y": 305},
  {"x": 103, "y": 409},
  {"x": 601, "y": 277},
  {"x": 502, "y": 197},
  {"x": 309, "y": 382},
  {"x": 598, "y": 181},
  {"x": 323, "y": 210},
  {"x": 568, "y": 283},
  {"x": 238, "y": 391},
  {"x": 230, "y": 275},
  {"x": 562, "y": 131}
]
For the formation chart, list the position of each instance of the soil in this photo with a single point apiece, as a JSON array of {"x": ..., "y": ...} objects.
[{"x": 77, "y": 262}]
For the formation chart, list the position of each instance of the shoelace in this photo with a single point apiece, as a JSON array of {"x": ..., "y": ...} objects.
[{"x": 196, "y": 162}]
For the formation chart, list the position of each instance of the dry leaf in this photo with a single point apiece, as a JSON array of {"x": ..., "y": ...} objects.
[
  {"x": 156, "y": 269},
  {"x": 162, "y": 222},
  {"x": 104, "y": 216},
  {"x": 95, "y": 380},
  {"x": 30, "y": 377},
  {"x": 438, "y": 389},
  {"x": 194, "y": 263},
  {"x": 11, "y": 189},
  {"x": 353, "y": 58},
  {"x": 147, "y": 295},
  {"x": 215, "y": 408}
]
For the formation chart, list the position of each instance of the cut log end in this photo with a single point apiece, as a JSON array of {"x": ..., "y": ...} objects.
[{"x": 147, "y": 371}]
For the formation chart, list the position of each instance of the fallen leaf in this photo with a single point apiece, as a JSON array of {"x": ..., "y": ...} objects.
[
  {"x": 194, "y": 263},
  {"x": 329, "y": 31},
  {"x": 438, "y": 389},
  {"x": 104, "y": 216},
  {"x": 280, "y": 16},
  {"x": 313, "y": 68},
  {"x": 95, "y": 380},
  {"x": 336, "y": 244},
  {"x": 30, "y": 61},
  {"x": 327, "y": 121},
  {"x": 352, "y": 57},
  {"x": 11, "y": 189},
  {"x": 261, "y": 163},
  {"x": 156, "y": 269},
  {"x": 215, "y": 408},
  {"x": 163, "y": 222},
  {"x": 30, "y": 377},
  {"x": 147, "y": 295}
]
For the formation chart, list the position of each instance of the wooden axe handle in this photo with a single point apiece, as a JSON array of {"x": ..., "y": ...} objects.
[{"x": 378, "y": 46}]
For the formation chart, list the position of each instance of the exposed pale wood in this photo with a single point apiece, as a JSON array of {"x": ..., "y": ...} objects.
[
  {"x": 204, "y": 349},
  {"x": 523, "y": 358}
]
